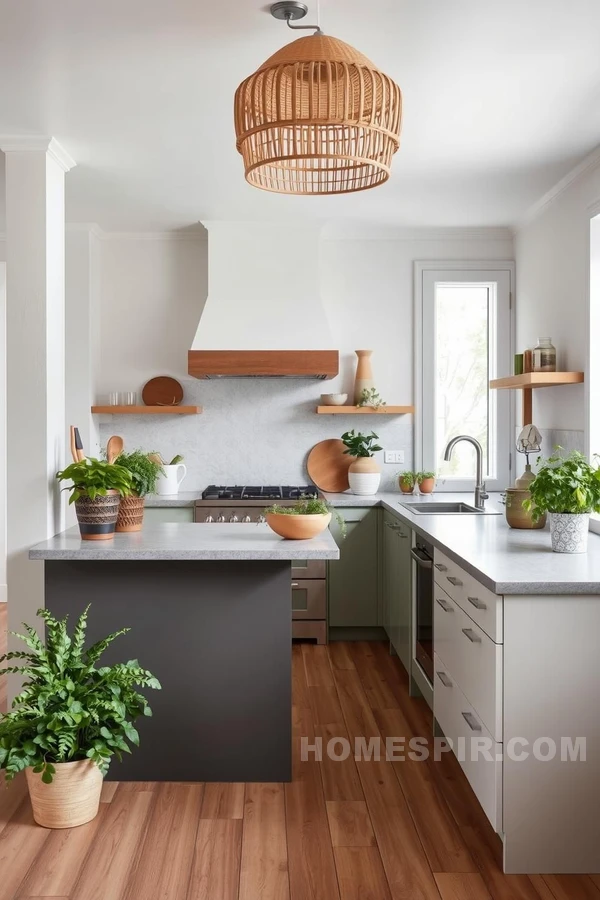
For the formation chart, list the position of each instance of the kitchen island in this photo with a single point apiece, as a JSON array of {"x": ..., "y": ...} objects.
[{"x": 209, "y": 608}]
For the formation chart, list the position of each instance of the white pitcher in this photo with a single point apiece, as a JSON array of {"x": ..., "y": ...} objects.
[{"x": 170, "y": 481}]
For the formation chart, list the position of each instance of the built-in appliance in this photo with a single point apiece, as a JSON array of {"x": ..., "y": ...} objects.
[
  {"x": 246, "y": 504},
  {"x": 422, "y": 554}
]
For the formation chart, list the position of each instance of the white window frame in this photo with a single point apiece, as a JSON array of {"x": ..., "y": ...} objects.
[
  {"x": 592, "y": 372},
  {"x": 423, "y": 432}
]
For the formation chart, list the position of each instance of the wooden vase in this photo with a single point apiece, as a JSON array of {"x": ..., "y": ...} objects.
[
  {"x": 131, "y": 514},
  {"x": 364, "y": 374},
  {"x": 71, "y": 799}
]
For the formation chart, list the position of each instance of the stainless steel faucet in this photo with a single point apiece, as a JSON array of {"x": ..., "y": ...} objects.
[{"x": 481, "y": 494}]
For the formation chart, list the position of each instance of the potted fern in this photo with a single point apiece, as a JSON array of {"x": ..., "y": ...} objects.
[
  {"x": 96, "y": 490},
  {"x": 364, "y": 474},
  {"x": 145, "y": 471},
  {"x": 69, "y": 720}
]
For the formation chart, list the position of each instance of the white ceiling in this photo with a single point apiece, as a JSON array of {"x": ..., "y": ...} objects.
[{"x": 500, "y": 100}]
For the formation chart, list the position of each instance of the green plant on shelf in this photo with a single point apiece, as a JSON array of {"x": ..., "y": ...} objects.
[
  {"x": 565, "y": 483},
  {"x": 95, "y": 478},
  {"x": 370, "y": 397},
  {"x": 144, "y": 470},
  {"x": 360, "y": 445},
  {"x": 69, "y": 709},
  {"x": 308, "y": 506}
]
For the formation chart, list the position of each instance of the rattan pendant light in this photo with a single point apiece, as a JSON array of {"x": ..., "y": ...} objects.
[{"x": 317, "y": 117}]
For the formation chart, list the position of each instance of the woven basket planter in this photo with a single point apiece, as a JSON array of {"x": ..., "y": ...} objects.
[
  {"x": 131, "y": 514},
  {"x": 71, "y": 799},
  {"x": 98, "y": 518}
]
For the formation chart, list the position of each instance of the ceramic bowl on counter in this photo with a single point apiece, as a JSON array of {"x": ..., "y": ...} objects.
[
  {"x": 298, "y": 528},
  {"x": 333, "y": 399}
]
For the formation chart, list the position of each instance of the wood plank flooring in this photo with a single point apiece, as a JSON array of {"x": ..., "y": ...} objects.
[{"x": 347, "y": 830}]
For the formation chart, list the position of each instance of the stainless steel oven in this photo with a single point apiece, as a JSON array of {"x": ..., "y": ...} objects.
[{"x": 422, "y": 554}]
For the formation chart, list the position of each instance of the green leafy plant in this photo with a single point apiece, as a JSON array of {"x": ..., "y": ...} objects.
[
  {"x": 144, "y": 471},
  {"x": 95, "y": 478},
  {"x": 69, "y": 709},
  {"x": 370, "y": 397},
  {"x": 564, "y": 484},
  {"x": 360, "y": 444},
  {"x": 408, "y": 479},
  {"x": 309, "y": 506},
  {"x": 423, "y": 476}
]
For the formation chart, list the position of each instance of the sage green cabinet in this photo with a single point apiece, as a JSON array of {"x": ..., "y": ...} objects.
[
  {"x": 397, "y": 585},
  {"x": 353, "y": 579},
  {"x": 153, "y": 514}
]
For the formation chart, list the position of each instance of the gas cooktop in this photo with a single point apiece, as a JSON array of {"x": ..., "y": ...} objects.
[{"x": 253, "y": 492}]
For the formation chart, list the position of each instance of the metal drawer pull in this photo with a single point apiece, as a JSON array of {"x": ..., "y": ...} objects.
[
  {"x": 421, "y": 558},
  {"x": 445, "y": 606},
  {"x": 471, "y": 721},
  {"x": 402, "y": 535},
  {"x": 468, "y": 632},
  {"x": 454, "y": 581},
  {"x": 444, "y": 679},
  {"x": 477, "y": 603},
  {"x": 441, "y": 568},
  {"x": 295, "y": 584}
]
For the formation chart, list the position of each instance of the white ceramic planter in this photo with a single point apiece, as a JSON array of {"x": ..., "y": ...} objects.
[
  {"x": 569, "y": 532},
  {"x": 364, "y": 483},
  {"x": 170, "y": 481}
]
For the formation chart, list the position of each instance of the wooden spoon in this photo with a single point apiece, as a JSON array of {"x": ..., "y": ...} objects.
[{"x": 114, "y": 448}]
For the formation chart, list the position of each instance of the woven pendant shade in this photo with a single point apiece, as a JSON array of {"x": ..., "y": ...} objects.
[{"x": 317, "y": 118}]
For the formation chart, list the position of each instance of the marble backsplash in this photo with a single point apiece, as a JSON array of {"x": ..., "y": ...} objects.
[{"x": 254, "y": 431}]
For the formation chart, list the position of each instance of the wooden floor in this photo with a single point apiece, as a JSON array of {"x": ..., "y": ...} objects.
[{"x": 339, "y": 831}]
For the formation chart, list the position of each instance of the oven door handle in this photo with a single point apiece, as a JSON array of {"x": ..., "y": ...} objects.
[{"x": 421, "y": 560}]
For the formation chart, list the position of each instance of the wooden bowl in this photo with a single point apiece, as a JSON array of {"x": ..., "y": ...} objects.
[{"x": 298, "y": 528}]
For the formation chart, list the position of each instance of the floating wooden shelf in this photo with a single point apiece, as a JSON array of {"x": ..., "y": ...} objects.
[
  {"x": 532, "y": 380},
  {"x": 364, "y": 410},
  {"x": 148, "y": 410}
]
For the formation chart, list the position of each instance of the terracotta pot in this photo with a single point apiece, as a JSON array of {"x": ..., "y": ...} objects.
[
  {"x": 405, "y": 488},
  {"x": 427, "y": 485},
  {"x": 72, "y": 798},
  {"x": 98, "y": 518},
  {"x": 364, "y": 374},
  {"x": 298, "y": 528},
  {"x": 131, "y": 514},
  {"x": 364, "y": 476},
  {"x": 516, "y": 516}
]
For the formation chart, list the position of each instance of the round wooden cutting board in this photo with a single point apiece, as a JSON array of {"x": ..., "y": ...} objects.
[
  {"x": 328, "y": 466},
  {"x": 162, "y": 391}
]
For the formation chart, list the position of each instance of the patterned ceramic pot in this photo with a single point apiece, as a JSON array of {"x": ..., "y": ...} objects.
[
  {"x": 364, "y": 476},
  {"x": 131, "y": 514},
  {"x": 98, "y": 518},
  {"x": 569, "y": 532}
]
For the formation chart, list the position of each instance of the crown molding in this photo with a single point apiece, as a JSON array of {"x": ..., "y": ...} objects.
[
  {"x": 587, "y": 165},
  {"x": 38, "y": 144},
  {"x": 368, "y": 232}
]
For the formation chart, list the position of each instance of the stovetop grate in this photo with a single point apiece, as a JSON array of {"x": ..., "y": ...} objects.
[{"x": 259, "y": 492}]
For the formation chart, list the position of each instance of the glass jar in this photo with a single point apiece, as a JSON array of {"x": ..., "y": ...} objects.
[{"x": 544, "y": 356}]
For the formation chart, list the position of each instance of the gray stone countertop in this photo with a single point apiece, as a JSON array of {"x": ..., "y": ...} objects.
[
  {"x": 506, "y": 560},
  {"x": 187, "y": 541}
]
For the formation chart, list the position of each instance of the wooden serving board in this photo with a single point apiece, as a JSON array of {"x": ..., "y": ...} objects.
[
  {"x": 328, "y": 466},
  {"x": 162, "y": 391}
]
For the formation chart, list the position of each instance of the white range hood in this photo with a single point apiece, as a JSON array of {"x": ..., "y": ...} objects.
[{"x": 263, "y": 314}]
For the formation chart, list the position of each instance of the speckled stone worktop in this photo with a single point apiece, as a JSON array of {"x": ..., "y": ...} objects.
[{"x": 187, "y": 541}]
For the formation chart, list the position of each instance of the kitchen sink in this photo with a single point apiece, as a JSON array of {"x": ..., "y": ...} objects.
[{"x": 447, "y": 509}]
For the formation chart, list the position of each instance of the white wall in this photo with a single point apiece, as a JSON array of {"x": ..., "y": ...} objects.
[
  {"x": 552, "y": 257},
  {"x": 260, "y": 430}
]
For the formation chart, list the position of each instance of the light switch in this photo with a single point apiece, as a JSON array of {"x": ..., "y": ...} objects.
[{"x": 393, "y": 456}]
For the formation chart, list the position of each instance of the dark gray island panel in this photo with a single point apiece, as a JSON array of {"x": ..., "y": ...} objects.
[{"x": 218, "y": 637}]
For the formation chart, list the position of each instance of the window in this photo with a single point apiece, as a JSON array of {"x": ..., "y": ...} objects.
[{"x": 463, "y": 341}]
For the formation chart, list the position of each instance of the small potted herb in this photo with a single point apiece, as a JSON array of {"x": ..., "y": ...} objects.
[
  {"x": 307, "y": 518},
  {"x": 96, "y": 490},
  {"x": 567, "y": 487},
  {"x": 69, "y": 720},
  {"x": 407, "y": 481},
  {"x": 426, "y": 482},
  {"x": 364, "y": 474},
  {"x": 144, "y": 471}
]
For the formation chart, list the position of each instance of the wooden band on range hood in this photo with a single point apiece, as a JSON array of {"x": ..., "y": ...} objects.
[{"x": 264, "y": 363}]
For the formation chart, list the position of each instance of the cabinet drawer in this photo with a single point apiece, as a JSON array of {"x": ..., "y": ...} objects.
[
  {"x": 477, "y": 601},
  {"x": 309, "y": 599},
  {"x": 473, "y": 658},
  {"x": 309, "y": 568},
  {"x": 480, "y": 757}
]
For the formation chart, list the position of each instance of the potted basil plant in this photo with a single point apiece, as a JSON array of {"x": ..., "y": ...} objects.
[
  {"x": 69, "y": 720},
  {"x": 96, "y": 490},
  {"x": 567, "y": 487},
  {"x": 364, "y": 474}
]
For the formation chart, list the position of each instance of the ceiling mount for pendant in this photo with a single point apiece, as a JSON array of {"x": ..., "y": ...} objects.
[{"x": 289, "y": 11}]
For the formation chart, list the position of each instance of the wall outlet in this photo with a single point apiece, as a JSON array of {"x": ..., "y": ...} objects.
[{"x": 393, "y": 456}]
